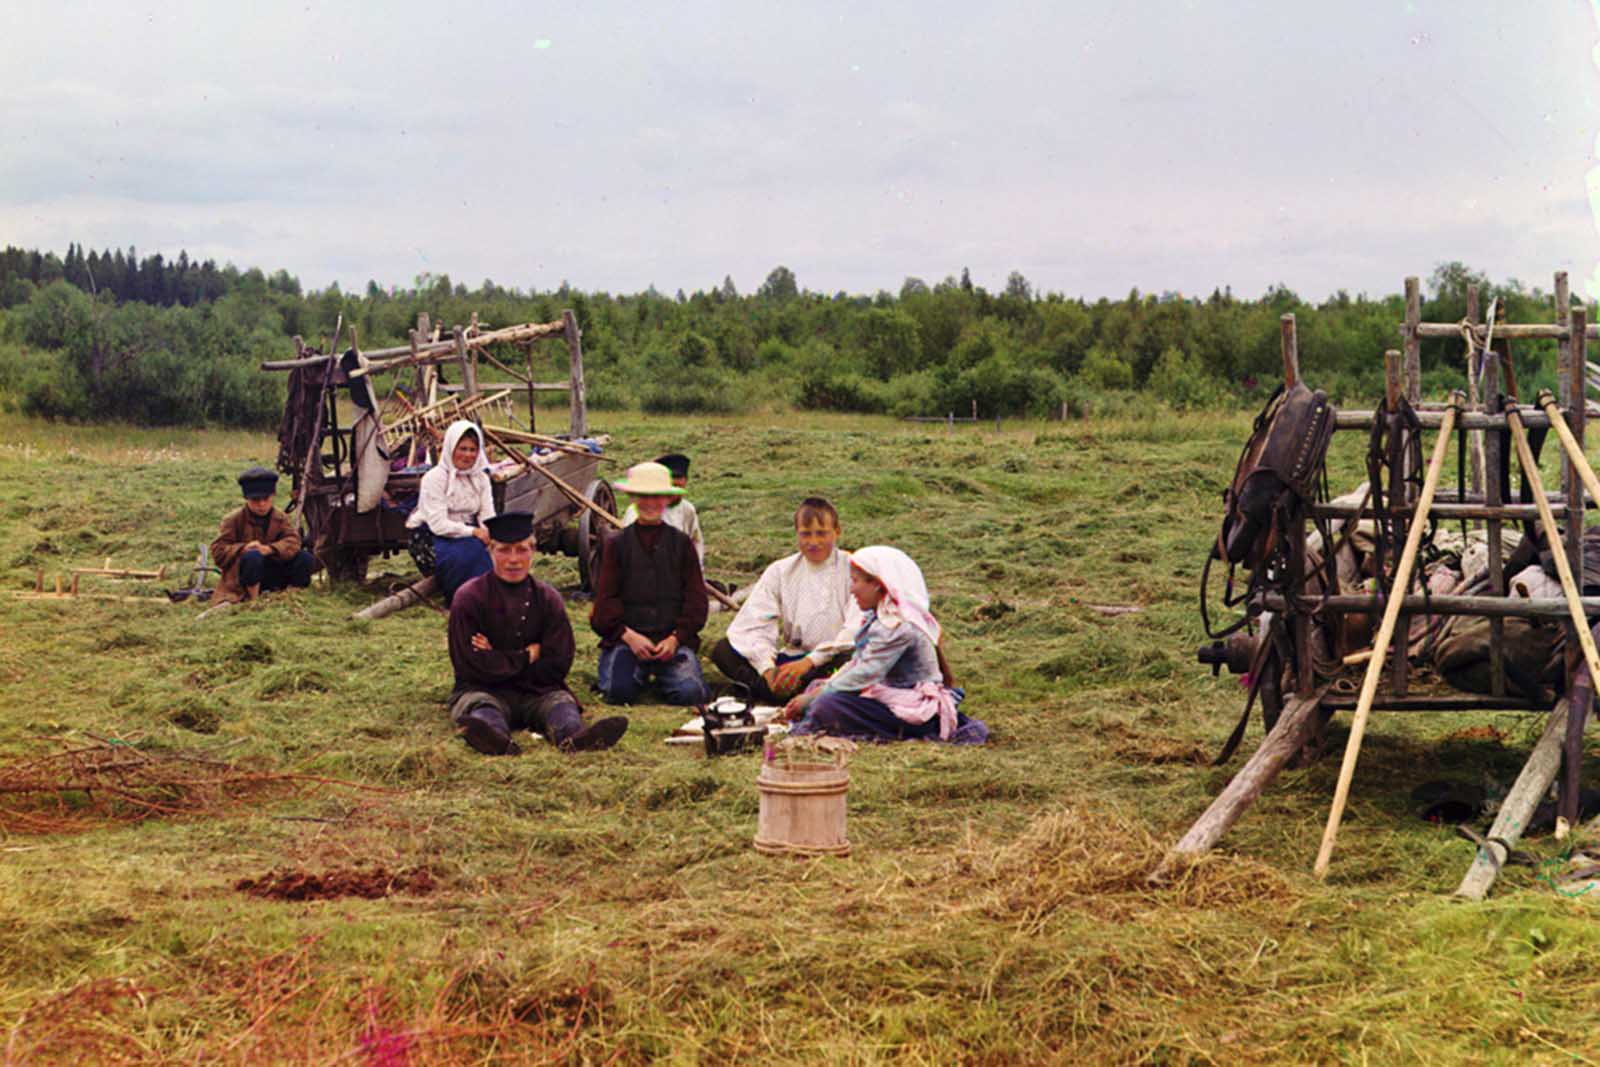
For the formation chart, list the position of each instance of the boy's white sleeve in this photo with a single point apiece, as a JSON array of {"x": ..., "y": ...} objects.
[
  {"x": 842, "y": 641},
  {"x": 754, "y": 631},
  {"x": 695, "y": 536}
]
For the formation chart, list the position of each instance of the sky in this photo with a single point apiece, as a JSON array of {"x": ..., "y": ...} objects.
[{"x": 1095, "y": 147}]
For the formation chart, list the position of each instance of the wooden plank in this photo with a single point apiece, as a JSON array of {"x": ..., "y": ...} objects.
[{"x": 546, "y": 387}]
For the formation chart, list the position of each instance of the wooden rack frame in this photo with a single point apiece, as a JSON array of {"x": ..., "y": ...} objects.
[{"x": 1310, "y": 704}]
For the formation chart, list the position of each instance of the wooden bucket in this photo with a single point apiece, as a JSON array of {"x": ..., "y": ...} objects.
[{"x": 802, "y": 809}]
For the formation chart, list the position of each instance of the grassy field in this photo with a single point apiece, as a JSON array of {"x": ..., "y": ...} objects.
[{"x": 609, "y": 908}]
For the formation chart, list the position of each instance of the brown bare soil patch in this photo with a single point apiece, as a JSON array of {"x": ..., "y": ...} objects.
[
  {"x": 330, "y": 885},
  {"x": 82, "y": 787}
]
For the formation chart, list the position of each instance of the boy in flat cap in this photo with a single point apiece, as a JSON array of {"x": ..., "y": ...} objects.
[
  {"x": 680, "y": 514},
  {"x": 257, "y": 547},
  {"x": 511, "y": 646},
  {"x": 650, "y": 600}
]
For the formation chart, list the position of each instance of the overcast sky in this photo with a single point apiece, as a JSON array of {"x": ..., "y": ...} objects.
[{"x": 1094, "y": 147}]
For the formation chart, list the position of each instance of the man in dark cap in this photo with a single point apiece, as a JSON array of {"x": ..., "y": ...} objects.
[
  {"x": 511, "y": 646},
  {"x": 680, "y": 514},
  {"x": 257, "y": 547}
]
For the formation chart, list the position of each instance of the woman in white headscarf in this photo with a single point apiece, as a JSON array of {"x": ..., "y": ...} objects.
[
  {"x": 895, "y": 687},
  {"x": 453, "y": 502}
]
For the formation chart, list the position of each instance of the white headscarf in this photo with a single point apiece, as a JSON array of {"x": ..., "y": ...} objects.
[
  {"x": 452, "y": 437},
  {"x": 905, "y": 592}
]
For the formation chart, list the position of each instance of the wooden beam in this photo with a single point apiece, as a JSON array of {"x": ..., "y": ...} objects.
[{"x": 1517, "y": 807}]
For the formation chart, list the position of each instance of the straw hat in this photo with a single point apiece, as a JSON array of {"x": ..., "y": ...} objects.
[{"x": 649, "y": 479}]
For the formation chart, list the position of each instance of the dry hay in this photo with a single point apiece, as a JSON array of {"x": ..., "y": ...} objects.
[
  {"x": 370, "y": 885},
  {"x": 1135, "y": 746},
  {"x": 1093, "y": 859},
  {"x": 82, "y": 787},
  {"x": 292, "y": 1008}
]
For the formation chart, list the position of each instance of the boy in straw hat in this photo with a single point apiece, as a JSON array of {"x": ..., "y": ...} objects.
[
  {"x": 680, "y": 514},
  {"x": 511, "y": 646},
  {"x": 650, "y": 600},
  {"x": 257, "y": 547}
]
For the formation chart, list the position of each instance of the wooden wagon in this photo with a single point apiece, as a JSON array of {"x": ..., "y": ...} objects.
[{"x": 356, "y": 459}]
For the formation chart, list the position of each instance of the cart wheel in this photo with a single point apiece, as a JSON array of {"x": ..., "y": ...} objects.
[
  {"x": 592, "y": 530},
  {"x": 1270, "y": 695}
]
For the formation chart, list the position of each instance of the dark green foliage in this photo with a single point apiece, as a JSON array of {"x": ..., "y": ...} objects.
[{"x": 169, "y": 341}]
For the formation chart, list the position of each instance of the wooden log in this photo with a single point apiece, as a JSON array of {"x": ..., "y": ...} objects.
[
  {"x": 1297, "y": 723},
  {"x": 1391, "y": 615},
  {"x": 415, "y": 593},
  {"x": 1517, "y": 807}
]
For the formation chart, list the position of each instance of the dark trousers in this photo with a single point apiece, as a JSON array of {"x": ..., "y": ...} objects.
[
  {"x": 853, "y": 715},
  {"x": 554, "y": 714},
  {"x": 274, "y": 574},
  {"x": 737, "y": 669}
]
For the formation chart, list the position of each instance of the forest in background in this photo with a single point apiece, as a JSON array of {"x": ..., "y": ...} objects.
[{"x": 113, "y": 335}]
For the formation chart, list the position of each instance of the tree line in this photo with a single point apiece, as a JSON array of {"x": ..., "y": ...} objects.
[{"x": 95, "y": 335}]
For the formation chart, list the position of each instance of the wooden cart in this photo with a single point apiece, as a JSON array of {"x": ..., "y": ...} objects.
[{"x": 356, "y": 461}]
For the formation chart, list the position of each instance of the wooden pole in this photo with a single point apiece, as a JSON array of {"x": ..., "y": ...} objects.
[
  {"x": 1517, "y": 807},
  {"x": 1552, "y": 535},
  {"x": 1391, "y": 614},
  {"x": 415, "y": 593},
  {"x": 1413, "y": 342},
  {"x": 1295, "y": 727},
  {"x": 576, "y": 395},
  {"x": 1290, "y": 343},
  {"x": 469, "y": 364},
  {"x": 1474, "y": 397}
]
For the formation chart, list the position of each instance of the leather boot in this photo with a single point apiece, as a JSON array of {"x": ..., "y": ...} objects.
[
  {"x": 602, "y": 733},
  {"x": 485, "y": 730}
]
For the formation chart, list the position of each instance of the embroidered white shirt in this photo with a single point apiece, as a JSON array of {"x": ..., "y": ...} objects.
[{"x": 797, "y": 607}]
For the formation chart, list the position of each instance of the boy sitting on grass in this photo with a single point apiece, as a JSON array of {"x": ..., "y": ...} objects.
[
  {"x": 650, "y": 600},
  {"x": 256, "y": 547},
  {"x": 799, "y": 623}
]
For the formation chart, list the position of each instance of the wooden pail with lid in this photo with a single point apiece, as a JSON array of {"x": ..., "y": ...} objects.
[{"x": 803, "y": 784}]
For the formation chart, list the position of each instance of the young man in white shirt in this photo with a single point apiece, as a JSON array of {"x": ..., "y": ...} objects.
[{"x": 799, "y": 623}]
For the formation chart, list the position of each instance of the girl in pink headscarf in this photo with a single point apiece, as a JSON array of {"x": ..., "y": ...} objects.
[{"x": 894, "y": 687}]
